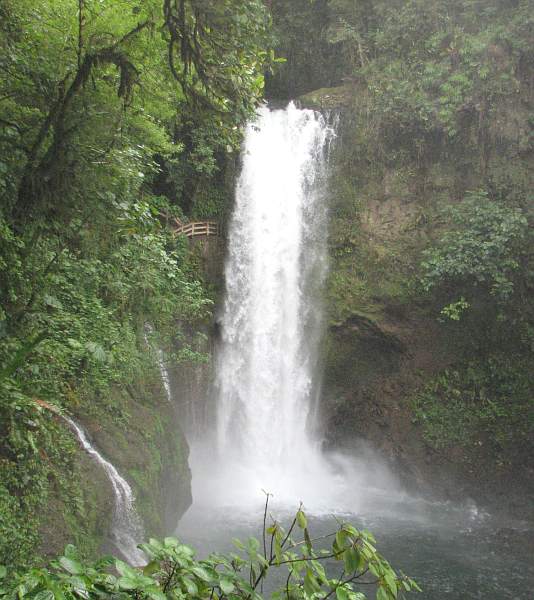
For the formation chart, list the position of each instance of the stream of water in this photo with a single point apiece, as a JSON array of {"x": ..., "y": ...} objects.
[
  {"x": 160, "y": 359},
  {"x": 127, "y": 529}
]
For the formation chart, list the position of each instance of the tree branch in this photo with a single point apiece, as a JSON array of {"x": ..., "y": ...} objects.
[{"x": 37, "y": 171}]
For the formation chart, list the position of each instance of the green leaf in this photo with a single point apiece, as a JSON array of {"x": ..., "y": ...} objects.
[
  {"x": 151, "y": 568},
  {"x": 390, "y": 581},
  {"x": 52, "y": 301},
  {"x": 310, "y": 583},
  {"x": 125, "y": 570},
  {"x": 253, "y": 544},
  {"x": 226, "y": 585},
  {"x": 201, "y": 573},
  {"x": 127, "y": 583},
  {"x": 74, "y": 343},
  {"x": 351, "y": 560},
  {"x": 70, "y": 565},
  {"x": 170, "y": 542},
  {"x": 381, "y": 594},
  {"x": 238, "y": 544},
  {"x": 105, "y": 561},
  {"x": 155, "y": 593},
  {"x": 99, "y": 354},
  {"x": 414, "y": 585},
  {"x": 302, "y": 522},
  {"x": 341, "y": 538},
  {"x": 190, "y": 586},
  {"x": 3, "y": 571},
  {"x": 278, "y": 550},
  {"x": 71, "y": 552},
  {"x": 44, "y": 595},
  {"x": 307, "y": 539},
  {"x": 341, "y": 593}
]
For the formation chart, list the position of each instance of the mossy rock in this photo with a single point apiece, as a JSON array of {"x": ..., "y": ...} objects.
[
  {"x": 149, "y": 450},
  {"x": 152, "y": 454},
  {"x": 327, "y": 98},
  {"x": 83, "y": 521}
]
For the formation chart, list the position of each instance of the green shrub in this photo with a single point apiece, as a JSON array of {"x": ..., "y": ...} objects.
[
  {"x": 482, "y": 250},
  {"x": 489, "y": 402},
  {"x": 174, "y": 572}
]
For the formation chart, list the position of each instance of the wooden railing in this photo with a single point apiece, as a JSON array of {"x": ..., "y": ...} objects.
[{"x": 197, "y": 228}]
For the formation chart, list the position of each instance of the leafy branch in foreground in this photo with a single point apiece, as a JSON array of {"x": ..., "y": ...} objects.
[{"x": 173, "y": 572}]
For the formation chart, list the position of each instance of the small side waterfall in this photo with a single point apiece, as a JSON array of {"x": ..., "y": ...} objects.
[
  {"x": 127, "y": 528},
  {"x": 165, "y": 379},
  {"x": 160, "y": 358}
]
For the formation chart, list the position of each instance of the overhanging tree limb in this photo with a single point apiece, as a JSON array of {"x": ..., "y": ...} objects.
[{"x": 38, "y": 169}]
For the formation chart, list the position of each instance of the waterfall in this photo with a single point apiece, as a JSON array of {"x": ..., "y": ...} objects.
[
  {"x": 268, "y": 368},
  {"x": 268, "y": 364},
  {"x": 127, "y": 529},
  {"x": 160, "y": 358},
  {"x": 164, "y": 374}
]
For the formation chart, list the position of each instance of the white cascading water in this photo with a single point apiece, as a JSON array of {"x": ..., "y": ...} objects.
[
  {"x": 271, "y": 323},
  {"x": 160, "y": 358},
  {"x": 165, "y": 379},
  {"x": 266, "y": 369},
  {"x": 127, "y": 528}
]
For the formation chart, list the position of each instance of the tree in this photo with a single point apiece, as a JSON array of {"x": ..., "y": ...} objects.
[
  {"x": 216, "y": 53},
  {"x": 94, "y": 101},
  {"x": 483, "y": 253}
]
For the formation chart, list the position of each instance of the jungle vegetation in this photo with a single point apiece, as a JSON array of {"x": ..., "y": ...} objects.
[
  {"x": 116, "y": 116},
  {"x": 104, "y": 108}
]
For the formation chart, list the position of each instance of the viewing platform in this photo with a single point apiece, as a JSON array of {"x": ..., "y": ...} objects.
[{"x": 196, "y": 228}]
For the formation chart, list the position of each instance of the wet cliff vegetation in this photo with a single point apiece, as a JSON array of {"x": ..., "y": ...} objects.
[
  {"x": 430, "y": 292},
  {"x": 115, "y": 117}
]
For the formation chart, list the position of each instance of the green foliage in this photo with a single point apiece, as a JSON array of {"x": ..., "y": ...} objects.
[
  {"x": 36, "y": 456},
  {"x": 110, "y": 114},
  {"x": 441, "y": 72},
  {"x": 308, "y": 65},
  {"x": 70, "y": 333},
  {"x": 484, "y": 249},
  {"x": 454, "y": 310},
  {"x": 486, "y": 403},
  {"x": 173, "y": 571},
  {"x": 426, "y": 73},
  {"x": 223, "y": 49}
]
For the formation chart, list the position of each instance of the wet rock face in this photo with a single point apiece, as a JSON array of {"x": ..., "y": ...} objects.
[
  {"x": 151, "y": 452},
  {"x": 383, "y": 341},
  {"x": 359, "y": 353},
  {"x": 335, "y": 98}
]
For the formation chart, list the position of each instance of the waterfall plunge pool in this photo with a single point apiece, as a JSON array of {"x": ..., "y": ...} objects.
[{"x": 453, "y": 553}]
